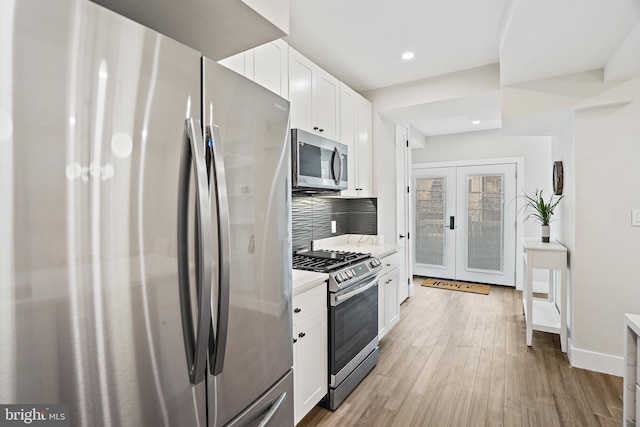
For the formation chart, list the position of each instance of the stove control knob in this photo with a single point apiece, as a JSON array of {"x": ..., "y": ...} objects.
[
  {"x": 344, "y": 276},
  {"x": 352, "y": 273},
  {"x": 339, "y": 278}
]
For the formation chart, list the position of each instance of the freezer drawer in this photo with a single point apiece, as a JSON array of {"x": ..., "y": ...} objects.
[{"x": 274, "y": 408}]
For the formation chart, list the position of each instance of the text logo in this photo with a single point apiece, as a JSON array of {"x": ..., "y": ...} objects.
[{"x": 34, "y": 415}]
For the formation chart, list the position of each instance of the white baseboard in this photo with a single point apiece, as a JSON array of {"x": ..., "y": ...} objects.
[{"x": 594, "y": 361}]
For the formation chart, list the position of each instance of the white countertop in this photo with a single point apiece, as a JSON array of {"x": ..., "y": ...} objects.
[
  {"x": 305, "y": 280},
  {"x": 356, "y": 243}
]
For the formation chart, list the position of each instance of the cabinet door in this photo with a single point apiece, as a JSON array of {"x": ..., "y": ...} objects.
[
  {"x": 388, "y": 303},
  {"x": 348, "y": 135},
  {"x": 238, "y": 63},
  {"x": 382, "y": 327},
  {"x": 310, "y": 370},
  {"x": 301, "y": 90},
  {"x": 391, "y": 303},
  {"x": 271, "y": 67},
  {"x": 365, "y": 147},
  {"x": 326, "y": 105}
]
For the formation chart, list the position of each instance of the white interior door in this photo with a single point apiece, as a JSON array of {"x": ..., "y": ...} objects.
[
  {"x": 434, "y": 206},
  {"x": 486, "y": 230},
  {"x": 465, "y": 227}
]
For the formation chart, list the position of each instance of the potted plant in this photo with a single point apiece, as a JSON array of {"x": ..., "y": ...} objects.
[{"x": 540, "y": 209}]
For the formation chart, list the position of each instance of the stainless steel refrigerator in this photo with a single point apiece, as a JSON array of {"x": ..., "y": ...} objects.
[{"x": 144, "y": 226}]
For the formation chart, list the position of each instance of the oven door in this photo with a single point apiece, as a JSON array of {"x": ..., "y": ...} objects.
[{"x": 353, "y": 324}]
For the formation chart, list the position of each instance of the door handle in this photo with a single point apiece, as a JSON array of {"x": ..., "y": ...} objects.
[
  {"x": 273, "y": 409},
  {"x": 452, "y": 222},
  {"x": 218, "y": 342},
  {"x": 194, "y": 343},
  {"x": 401, "y": 236},
  {"x": 337, "y": 177}
]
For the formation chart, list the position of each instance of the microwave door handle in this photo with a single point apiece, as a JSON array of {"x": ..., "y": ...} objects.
[
  {"x": 336, "y": 155},
  {"x": 340, "y": 159}
]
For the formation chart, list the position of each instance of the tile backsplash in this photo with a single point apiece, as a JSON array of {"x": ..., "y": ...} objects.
[{"x": 312, "y": 218}]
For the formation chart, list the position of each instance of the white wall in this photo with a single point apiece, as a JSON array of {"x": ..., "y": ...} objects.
[
  {"x": 606, "y": 276},
  {"x": 594, "y": 128},
  {"x": 598, "y": 144},
  {"x": 463, "y": 83},
  {"x": 491, "y": 144},
  {"x": 563, "y": 149}
]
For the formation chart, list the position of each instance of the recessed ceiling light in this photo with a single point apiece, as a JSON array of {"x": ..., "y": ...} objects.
[
  {"x": 408, "y": 55},
  {"x": 476, "y": 122}
]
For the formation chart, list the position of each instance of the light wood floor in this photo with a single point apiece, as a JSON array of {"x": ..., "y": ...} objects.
[{"x": 460, "y": 359}]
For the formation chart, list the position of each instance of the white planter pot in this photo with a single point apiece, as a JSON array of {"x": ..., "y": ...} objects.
[{"x": 545, "y": 232}]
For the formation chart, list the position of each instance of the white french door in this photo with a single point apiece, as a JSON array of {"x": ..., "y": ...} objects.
[{"x": 465, "y": 225}]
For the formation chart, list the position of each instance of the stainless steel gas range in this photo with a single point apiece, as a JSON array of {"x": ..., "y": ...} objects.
[{"x": 353, "y": 316}]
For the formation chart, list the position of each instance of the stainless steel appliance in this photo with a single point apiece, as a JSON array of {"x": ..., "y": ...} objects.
[
  {"x": 144, "y": 258},
  {"x": 318, "y": 163},
  {"x": 353, "y": 316}
]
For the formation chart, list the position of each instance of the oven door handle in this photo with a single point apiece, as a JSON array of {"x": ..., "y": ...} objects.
[{"x": 339, "y": 299}]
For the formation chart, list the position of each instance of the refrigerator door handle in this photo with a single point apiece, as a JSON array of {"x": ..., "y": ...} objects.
[
  {"x": 218, "y": 341},
  {"x": 195, "y": 344},
  {"x": 274, "y": 408}
]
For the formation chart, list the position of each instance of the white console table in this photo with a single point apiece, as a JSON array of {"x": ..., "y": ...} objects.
[
  {"x": 545, "y": 314},
  {"x": 631, "y": 380}
]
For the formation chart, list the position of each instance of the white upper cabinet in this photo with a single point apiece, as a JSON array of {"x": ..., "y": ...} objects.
[
  {"x": 240, "y": 62},
  {"x": 267, "y": 65},
  {"x": 314, "y": 96},
  {"x": 355, "y": 131},
  {"x": 271, "y": 67}
]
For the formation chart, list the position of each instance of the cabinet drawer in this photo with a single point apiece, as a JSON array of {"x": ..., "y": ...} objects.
[
  {"x": 309, "y": 302},
  {"x": 389, "y": 263}
]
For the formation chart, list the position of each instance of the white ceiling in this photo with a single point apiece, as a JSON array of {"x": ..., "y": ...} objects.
[
  {"x": 361, "y": 41},
  {"x": 439, "y": 118}
]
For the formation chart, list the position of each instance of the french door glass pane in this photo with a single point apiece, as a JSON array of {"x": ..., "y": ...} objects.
[
  {"x": 430, "y": 214},
  {"x": 485, "y": 222}
]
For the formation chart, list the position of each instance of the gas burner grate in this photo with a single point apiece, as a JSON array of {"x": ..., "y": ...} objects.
[{"x": 325, "y": 261}]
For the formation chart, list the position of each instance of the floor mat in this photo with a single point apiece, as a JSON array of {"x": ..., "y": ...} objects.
[{"x": 453, "y": 285}]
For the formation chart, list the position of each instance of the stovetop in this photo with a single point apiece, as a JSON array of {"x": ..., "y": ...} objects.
[{"x": 325, "y": 261}]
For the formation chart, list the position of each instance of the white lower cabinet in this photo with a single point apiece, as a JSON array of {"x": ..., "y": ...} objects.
[
  {"x": 388, "y": 302},
  {"x": 310, "y": 338}
]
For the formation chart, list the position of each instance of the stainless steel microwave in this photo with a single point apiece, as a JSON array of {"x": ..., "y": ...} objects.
[{"x": 318, "y": 163}]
